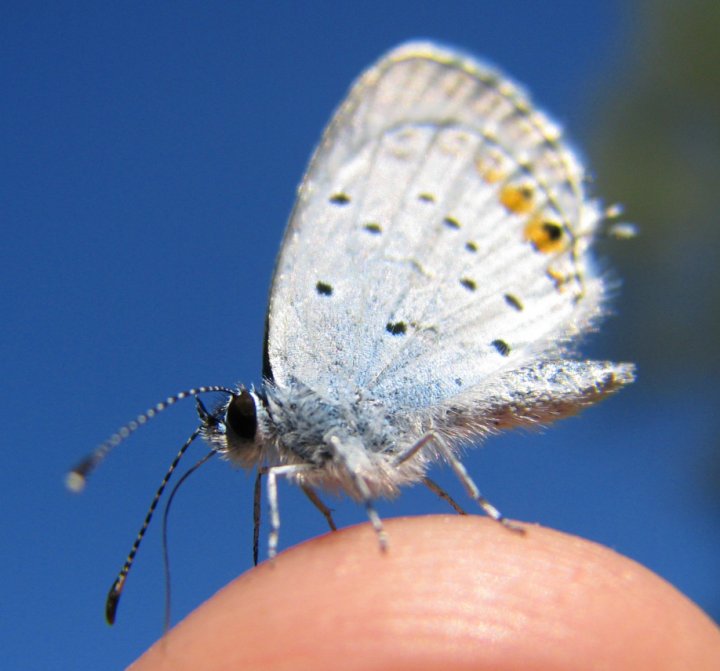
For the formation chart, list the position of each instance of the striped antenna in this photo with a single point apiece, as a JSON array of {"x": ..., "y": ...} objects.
[
  {"x": 113, "y": 597},
  {"x": 77, "y": 477}
]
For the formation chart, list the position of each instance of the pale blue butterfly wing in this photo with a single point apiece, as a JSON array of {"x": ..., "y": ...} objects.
[{"x": 439, "y": 243}]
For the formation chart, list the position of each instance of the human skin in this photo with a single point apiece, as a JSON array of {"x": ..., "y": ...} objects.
[{"x": 450, "y": 593}]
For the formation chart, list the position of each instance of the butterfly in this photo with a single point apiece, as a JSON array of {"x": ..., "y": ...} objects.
[{"x": 433, "y": 278}]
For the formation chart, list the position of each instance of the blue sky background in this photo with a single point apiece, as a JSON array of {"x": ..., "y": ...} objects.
[{"x": 149, "y": 156}]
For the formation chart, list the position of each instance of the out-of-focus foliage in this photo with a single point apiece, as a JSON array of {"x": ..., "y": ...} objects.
[{"x": 657, "y": 150}]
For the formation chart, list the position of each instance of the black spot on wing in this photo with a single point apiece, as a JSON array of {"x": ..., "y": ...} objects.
[
  {"x": 396, "y": 328},
  {"x": 514, "y": 302},
  {"x": 501, "y": 346},
  {"x": 451, "y": 222},
  {"x": 373, "y": 228},
  {"x": 340, "y": 198},
  {"x": 324, "y": 289},
  {"x": 553, "y": 231}
]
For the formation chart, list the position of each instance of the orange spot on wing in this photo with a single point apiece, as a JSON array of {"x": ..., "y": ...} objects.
[
  {"x": 546, "y": 235},
  {"x": 517, "y": 199}
]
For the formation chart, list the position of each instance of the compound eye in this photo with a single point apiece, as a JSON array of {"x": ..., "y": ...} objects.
[{"x": 241, "y": 416}]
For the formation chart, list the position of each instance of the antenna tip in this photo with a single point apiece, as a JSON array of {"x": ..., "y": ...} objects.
[
  {"x": 75, "y": 481},
  {"x": 113, "y": 599}
]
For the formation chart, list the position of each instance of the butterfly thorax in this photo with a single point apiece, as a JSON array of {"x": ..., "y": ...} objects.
[{"x": 338, "y": 433}]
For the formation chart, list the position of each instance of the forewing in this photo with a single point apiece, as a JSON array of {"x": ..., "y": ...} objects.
[{"x": 439, "y": 238}]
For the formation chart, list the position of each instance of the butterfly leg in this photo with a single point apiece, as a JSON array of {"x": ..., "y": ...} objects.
[
  {"x": 430, "y": 484},
  {"x": 318, "y": 503},
  {"x": 272, "y": 475},
  {"x": 414, "y": 449},
  {"x": 463, "y": 476},
  {"x": 435, "y": 488},
  {"x": 472, "y": 488},
  {"x": 345, "y": 454},
  {"x": 371, "y": 512},
  {"x": 257, "y": 510}
]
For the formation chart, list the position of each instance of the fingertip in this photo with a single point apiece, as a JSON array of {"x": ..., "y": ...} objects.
[{"x": 450, "y": 592}]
